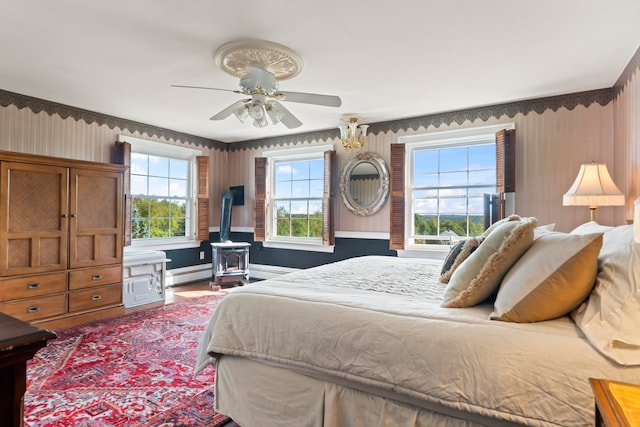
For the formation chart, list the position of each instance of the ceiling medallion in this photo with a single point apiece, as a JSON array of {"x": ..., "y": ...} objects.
[{"x": 235, "y": 58}]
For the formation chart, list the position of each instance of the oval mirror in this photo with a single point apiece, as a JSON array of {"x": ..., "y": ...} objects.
[{"x": 364, "y": 184}]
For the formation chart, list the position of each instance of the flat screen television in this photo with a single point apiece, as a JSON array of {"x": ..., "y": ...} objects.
[{"x": 225, "y": 216}]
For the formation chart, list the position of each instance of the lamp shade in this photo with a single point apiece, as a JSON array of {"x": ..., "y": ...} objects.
[{"x": 593, "y": 187}]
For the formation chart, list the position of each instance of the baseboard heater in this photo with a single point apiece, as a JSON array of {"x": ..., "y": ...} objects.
[{"x": 194, "y": 273}]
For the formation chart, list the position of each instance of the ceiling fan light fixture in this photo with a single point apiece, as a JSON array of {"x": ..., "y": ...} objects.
[
  {"x": 241, "y": 113},
  {"x": 260, "y": 65},
  {"x": 274, "y": 113},
  {"x": 256, "y": 110},
  {"x": 261, "y": 123}
]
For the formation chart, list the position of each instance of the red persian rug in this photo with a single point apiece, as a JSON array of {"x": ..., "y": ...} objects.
[{"x": 135, "y": 370}]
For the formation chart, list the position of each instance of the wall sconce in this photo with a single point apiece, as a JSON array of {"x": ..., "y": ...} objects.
[
  {"x": 593, "y": 187},
  {"x": 352, "y": 136}
]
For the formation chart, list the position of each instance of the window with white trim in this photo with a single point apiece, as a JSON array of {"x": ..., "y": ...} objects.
[
  {"x": 448, "y": 176},
  {"x": 297, "y": 198},
  {"x": 162, "y": 192},
  {"x": 295, "y": 182}
]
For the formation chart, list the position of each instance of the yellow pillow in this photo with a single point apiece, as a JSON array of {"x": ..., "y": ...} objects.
[{"x": 552, "y": 278}]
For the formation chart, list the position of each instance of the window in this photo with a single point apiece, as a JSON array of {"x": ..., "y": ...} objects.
[
  {"x": 294, "y": 197},
  {"x": 161, "y": 196},
  {"x": 447, "y": 187},
  {"x": 297, "y": 203},
  {"x": 447, "y": 177},
  {"x": 164, "y": 206}
]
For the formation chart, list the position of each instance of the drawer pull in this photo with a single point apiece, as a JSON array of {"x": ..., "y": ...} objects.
[
  {"x": 35, "y": 285},
  {"x": 33, "y": 309},
  {"x": 96, "y": 277},
  {"x": 96, "y": 297}
]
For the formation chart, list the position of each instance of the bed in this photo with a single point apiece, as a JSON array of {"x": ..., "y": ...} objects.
[{"x": 382, "y": 341}]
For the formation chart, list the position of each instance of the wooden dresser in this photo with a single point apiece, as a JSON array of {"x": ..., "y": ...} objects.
[{"x": 61, "y": 232}]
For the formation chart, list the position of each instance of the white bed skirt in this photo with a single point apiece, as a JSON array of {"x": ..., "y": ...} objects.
[{"x": 286, "y": 398}]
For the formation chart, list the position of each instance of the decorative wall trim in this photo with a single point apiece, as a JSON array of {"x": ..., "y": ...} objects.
[
  {"x": 627, "y": 74},
  {"x": 539, "y": 105},
  {"x": 64, "y": 111}
]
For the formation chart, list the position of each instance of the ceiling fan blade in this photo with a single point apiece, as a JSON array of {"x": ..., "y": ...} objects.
[
  {"x": 207, "y": 88},
  {"x": 228, "y": 111},
  {"x": 289, "y": 120},
  {"x": 309, "y": 98}
]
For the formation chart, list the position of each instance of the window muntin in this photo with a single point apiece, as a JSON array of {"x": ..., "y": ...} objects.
[
  {"x": 446, "y": 190},
  {"x": 296, "y": 206},
  {"x": 161, "y": 202}
]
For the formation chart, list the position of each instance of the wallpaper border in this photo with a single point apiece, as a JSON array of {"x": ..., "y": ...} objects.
[
  {"x": 37, "y": 105},
  {"x": 510, "y": 109},
  {"x": 538, "y": 105}
]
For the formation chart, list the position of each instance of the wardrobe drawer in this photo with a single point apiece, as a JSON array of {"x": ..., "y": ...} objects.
[
  {"x": 90, "y": 277},
  {"x": 95, "y": 298},
  {"x": 32, "y": 286},
  {"x": 36, "y": 308}
]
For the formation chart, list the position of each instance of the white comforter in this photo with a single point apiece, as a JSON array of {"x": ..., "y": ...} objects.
[{"x": 375, "y": 323}]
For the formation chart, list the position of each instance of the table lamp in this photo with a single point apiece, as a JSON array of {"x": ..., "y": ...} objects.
[{"x": 593, "y": 187}]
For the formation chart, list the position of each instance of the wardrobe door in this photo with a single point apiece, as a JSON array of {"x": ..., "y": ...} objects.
[
  {"x": 95, "y": 208},
  {"x": 33, "y": 217}
]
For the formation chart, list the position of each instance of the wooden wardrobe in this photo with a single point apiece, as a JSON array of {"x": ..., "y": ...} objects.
[{"x": 61, "y": 239}]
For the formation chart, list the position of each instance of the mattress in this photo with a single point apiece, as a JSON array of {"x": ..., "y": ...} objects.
[{"x": 375, "y": 324}]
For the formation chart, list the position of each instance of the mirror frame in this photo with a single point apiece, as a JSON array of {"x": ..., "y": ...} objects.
[{"x": 383, "y": 193}]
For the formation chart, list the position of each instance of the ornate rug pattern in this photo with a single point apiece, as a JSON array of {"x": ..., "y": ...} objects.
[{"x": 134, "y": 370}]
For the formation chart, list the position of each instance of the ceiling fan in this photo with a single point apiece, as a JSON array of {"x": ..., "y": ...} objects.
[{"x": 260, "y": 65}]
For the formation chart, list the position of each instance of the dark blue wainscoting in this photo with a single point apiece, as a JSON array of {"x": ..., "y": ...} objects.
[{"x": 258, "y": 254}]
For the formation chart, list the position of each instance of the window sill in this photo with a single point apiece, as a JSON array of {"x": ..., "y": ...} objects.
[
  {"x": 310, "y": 247},
  {"x": 163, "y": 246}
]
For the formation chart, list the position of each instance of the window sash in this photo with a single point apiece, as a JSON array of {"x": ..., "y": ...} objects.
[
  {"x": 275, "y": 203},
  {"x": 450, "y": 200}
]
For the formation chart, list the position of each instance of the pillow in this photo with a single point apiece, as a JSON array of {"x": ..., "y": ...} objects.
[
  {"x": 551, "y": 279},
  {"x": 479, "y": 275},
  {"x": 610, "y": 318},
  {"x": 458, "y": 253},
  {"x": 591, "y": 227},
  {"x": 499, "y": 223},
  {"x": 541, "y": 229}
]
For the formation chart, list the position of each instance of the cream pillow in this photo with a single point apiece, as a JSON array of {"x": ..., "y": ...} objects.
[
  {"x": 610, "y": 318},
  {"x": 591, "y": 227},
  {"x": 551, "y": 279},
  {"x": 541, "y": 229},
  {"x": 480, "y": 274},
  {"x": 499, "y": 223}
]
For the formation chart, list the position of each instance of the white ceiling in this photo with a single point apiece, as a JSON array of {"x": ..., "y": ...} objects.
[{"x": 387, "y": 60}]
